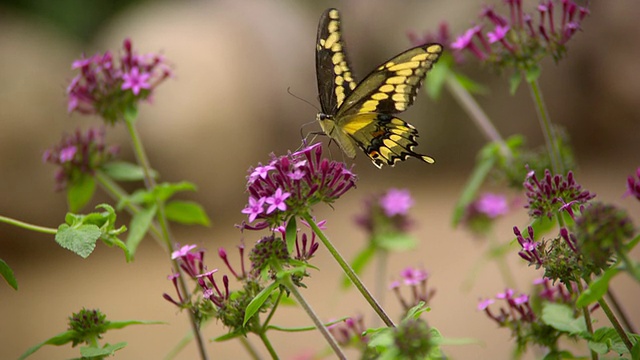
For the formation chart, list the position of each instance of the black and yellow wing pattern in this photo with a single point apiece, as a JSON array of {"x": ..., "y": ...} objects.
[{"x": 361, "y": 114}]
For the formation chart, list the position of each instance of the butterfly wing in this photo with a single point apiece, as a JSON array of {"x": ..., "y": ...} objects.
[
  {"x": 366, "y": 115},
  {"x": 335, "y": 80}
]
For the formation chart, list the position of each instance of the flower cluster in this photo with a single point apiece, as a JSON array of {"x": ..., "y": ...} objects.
[
  {"x": 416, "y": 280},
  {"x": 522, "y": 39},
  {"x": 481, "y": 213},
  {"x": 108, "y": 87},
  {"x": 306, "y": 245},
  {"x": 388, "y": 212},
  {"x": 557, "y": 293},
  {"x": 633, "y": 185},
  {"x": 350, "y": 332},
  {"x": 553, "y": 193},
  {"x": 77, "y": 154},
  {"x": 529, "y": 246},
  {"x": 87, "y": 326},
  {"x": 291, "y": 184}
]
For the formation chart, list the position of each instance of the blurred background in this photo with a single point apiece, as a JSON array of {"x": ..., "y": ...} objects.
[{"x": 228, "y": 107}]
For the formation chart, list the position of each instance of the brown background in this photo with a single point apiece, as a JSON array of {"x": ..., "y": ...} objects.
[{"x": 228, "y": 108}]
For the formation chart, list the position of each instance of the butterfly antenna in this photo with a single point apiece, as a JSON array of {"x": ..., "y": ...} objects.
[{"x": 301, "y": 99}]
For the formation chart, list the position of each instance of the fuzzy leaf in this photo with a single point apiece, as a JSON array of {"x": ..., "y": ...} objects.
[
  {"x": 597, "y": 288},
  {"x": 186, "y": 212},
  {"x": 106, "y": 350},
  {"x": 7, "y": 274},
  {"x": 78, "y": 239}
]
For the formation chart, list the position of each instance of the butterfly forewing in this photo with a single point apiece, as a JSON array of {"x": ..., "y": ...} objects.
[
  {"x": 335, "y": 79},
  {"x": 392, "y": 87}
]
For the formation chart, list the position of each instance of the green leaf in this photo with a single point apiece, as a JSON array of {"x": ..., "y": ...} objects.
[
  {"x": 78, "y": 239},
  {"x": 358, "y": 264},
  {"x": 560, "y": 317},
  {"x": 7, "y": 274},
  {"x": 484, "y": 164},
  {"x": 514, "y": 83},
  {"x": 436, "y": 79},
  {"x": 606, "y": 339},
  {"x": 106, "y": 350},
  {"x": 255, "y": 304},
  {"x": 470, "y": 85},
  {"x": 115, "y": 325},
  {"x": 395, "y": 241},
  {"x": 229, "y": 336},
  {"x": 125, "y": 171},
  {"x": 60, "y": 339},
  {"x": 80, "y": 191},
  {"x": 597, "y": 288},
  {"x": 186, "y": 212},
  {"x": 416, "y": 311},
  {"x": 290, "y": 234},
  {"x": 139, "y": 226},
  {"x": 533, "y": 73},
  {"x": 166, "y": 190}
]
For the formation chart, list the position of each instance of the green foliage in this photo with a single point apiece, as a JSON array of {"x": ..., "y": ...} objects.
[
  {"x": 562, "y": 317},
  {"x": 7, "y": 274},
  {"x": 80, "y": 232},
  {"x": 125, "y": 171},
  {"x": 79, "y": 191},
  {"x": 186, "y": 212},
  {"x": 138, "y": 227}
]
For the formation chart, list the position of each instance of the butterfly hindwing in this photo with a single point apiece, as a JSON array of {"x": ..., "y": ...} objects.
[
  {"x": 361, "y": 114},
  {"x": 335, "y": 79}
]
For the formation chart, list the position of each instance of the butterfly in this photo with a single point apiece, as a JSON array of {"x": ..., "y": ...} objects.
[{"x": 362, "y": 114}]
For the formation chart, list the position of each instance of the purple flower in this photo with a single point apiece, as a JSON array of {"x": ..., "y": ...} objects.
[
  {"x": 277, "y": 201},
  {"x": 498, "y": 33},
  {"x": 413, "y": 276},
  {"x": 483, "y": 304},
  {"x": 551, "y": 194},
  {"x": 633, "y": 185},
  {"x": 104, "y": 85},
  {"x": 529, "y": 246},
  {"x": 79, "y": 153},
  {"x": 189, "y": 260},
  {"x": 416, "y": 280},
  {"x": 396, "y": 202},
  {"x": 255, "y": 208},
  {"x": 183, "y": 251},
  {"x": 492, "y": 205},
  {"x": 291, "y": 184}
]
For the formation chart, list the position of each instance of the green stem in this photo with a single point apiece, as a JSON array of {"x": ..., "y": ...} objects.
[
  {"x": 616, "y": 324},
  {"x": 273, "y": 311},
  {"x": 547, "y": 128},
  {"x": 587, "y": 319},
  {"x": 267, "y": 344},
  {"x": 620, "y": 311},
  {"x": 150, "y": 184},
  {"x": 250, "y": 349},
  {"x": 475, "y": 112},
  {"x": 349, "y": 272},
  {"x": 28, "y": 226},
  {"x": 288, "y": 283}
]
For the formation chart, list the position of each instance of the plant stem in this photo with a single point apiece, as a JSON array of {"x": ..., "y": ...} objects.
[
  {"x": 475, "y": 112},
  {"x": 250, "y": 349},
  {"x": 616, "y": 324},
  {"x": 24, "y": 225},
  {"x": 150, "y": 184},
  {"x": 380, "y": 279},
  {"x": 349, "y": 272},
  {"x": 267, "y": 344},
  {"x": 288, "y": 283},
  {"x": 547, "y": 128},
  {"x": 273, "y": 311},
  {"x": 587, "y": 319}
]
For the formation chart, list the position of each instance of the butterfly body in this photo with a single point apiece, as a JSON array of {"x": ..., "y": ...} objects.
[{"x": 361, "y": 114}]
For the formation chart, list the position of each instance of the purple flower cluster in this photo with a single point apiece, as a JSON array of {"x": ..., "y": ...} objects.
[
  {"x": 553, "y": 193},
  {"x": 521, "y": 38},
  {"x": 79, "y": 153},
  {"x": 633, "y": 185},
  {"x": 350, "y": 332},
  {"x": 306, "y": 246},
  {"x": 293, "y": 183},
  {"x": 555, "y": 293},
  {"x": 529, "y": 250},
  {"x": 416, "y": 280},
  {"x": 388, "y": 212},
  {"x": 517, "y": 312},
  {"x": 108, "y": 87}
]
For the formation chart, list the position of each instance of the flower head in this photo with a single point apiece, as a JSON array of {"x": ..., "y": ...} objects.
[
  {"x": 291, "y": 184},
  {"x": 190, "y": 260},
  {"x": 108, "y": 86},
  {"x": 416, "y": 280},
  {"x": 633, "y": 185},
  {"x": 553, "y": 193},
  {"x": 396, "y": 202},
  {"x": 387, "y": 213},
  {"x": 481, "y": 213},
  {"x": 77, "y": 154},
  {"x": 87, "y": 325},
  {"x": 521, "y": 39}
]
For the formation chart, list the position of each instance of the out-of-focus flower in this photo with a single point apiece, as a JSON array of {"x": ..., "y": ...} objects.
[
  {"x": 416, "y": 280},
  {"x": 521, "y": 39},
  {"x": 480, "y": 214},
  {"x": 108, "y": 87},
  {"x": 77, "y": 154},
  {"x": 633, "y": 185}
]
